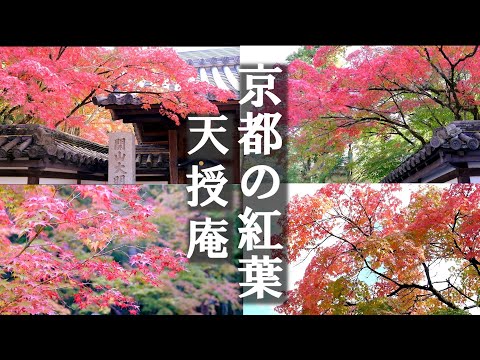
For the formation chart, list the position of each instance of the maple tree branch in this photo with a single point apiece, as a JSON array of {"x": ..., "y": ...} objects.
[
  {"x": 313, "y": 248},
  {"x": 475, "y": 264},
  {"x": 407, "y": 90},
  {"x": 60, "y": 52},
  {"x": 357, "y": 250},
  {"x": 20, "y": 296},
  {"x": 78, "y": 106},
  {"x": 424, "y": 88},
  {"x": 99, "y": 253},
  {"x": 392, "y": 96},
  {"x": 440, "y": 49},
  {"x": 38, "y": 232},
  {"x": 430, "y": 61},
  {"x": 371, "y": 227},
  {"x": 351, "y": 222},
  {"x": 401, "y": 286},
  {"x": 434, "y": 291},
  {"x": 469, "y": 55},
  {"x": 385, "y": 120},
  {"x": 398, "y": 132},
  {"x": 461, "y": 59},
  {"x": 11, "y": 110},
  {"x": 416, "y": 134},
  {"x": 455, "y": 219},
  {"x": 381, "y": 117},
  {"x": 396, "y": 291},
  {"x": 452, "y": 81},
  {"x": 459, "y": 291}
]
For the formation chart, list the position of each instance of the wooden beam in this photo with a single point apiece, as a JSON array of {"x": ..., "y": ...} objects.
[
  {"x": 22, "y": 163},
  {"x": 142, "y": 112},
  {"x": 156, "y": 133},
  {"x": 91, "y": 168},
  {"x": 50, "y": 175},
  {"x": 141, "y": 179},
  {"x": 162, "y": 142},
  {"x": 182, "y": 151},
  {"x": 153, "y": 149},
  {"x": 116, "y": 107},
  {"x": 470, "y": 156},
  {"x": 173, "y": 156},
  {"x": 162, "y": 123},
  {"x": 88, "y": 176},
  {"x": 447, "y": 177},
  {"x": 230, "y": 104},
  {"x": 417, "y": 176},
  {"x": 463, "y": 173},
  {"x": 474, "y": 171},
  {"x": 154, "y": 171},
  {"x": 138, "y": 132},
  {"x": 48, "y": 163}
]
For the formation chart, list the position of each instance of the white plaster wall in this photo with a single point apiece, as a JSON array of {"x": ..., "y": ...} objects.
[
  {"x": 45, "y": 181},
  {"x": 5, "y": 180},
  {"x": 475, "y": 179}
]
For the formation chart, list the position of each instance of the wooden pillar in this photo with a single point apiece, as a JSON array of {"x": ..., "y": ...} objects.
[
  {"x": 33, "y": 180},
  {"x": 182, "y": 150},
  {"x": 33, "y": 177},
  {"x": 80, "y": 175},
  {"x": 463, "y": 173},
  {"x": 173, "y": 156}
]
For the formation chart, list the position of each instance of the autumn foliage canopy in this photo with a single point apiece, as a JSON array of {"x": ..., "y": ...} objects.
[
  {"x": 50, "y": 243},
  {"x": 55, "y": 86},
  {"x": 384, "y": 101},
  {"x": 387, "y": 249}
]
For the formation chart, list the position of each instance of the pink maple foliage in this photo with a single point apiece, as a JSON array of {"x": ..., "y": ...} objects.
[
  {"x": 55, "y": 86},
  {"x": 41, "y": 233},
  {"x": 381, "y": 87}
]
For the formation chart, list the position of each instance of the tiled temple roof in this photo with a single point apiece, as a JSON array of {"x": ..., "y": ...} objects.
[
  {"x": 456, "y": 136},
  {"x": 218, "y": 67},
  {"x": 35, "y": 142}
]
